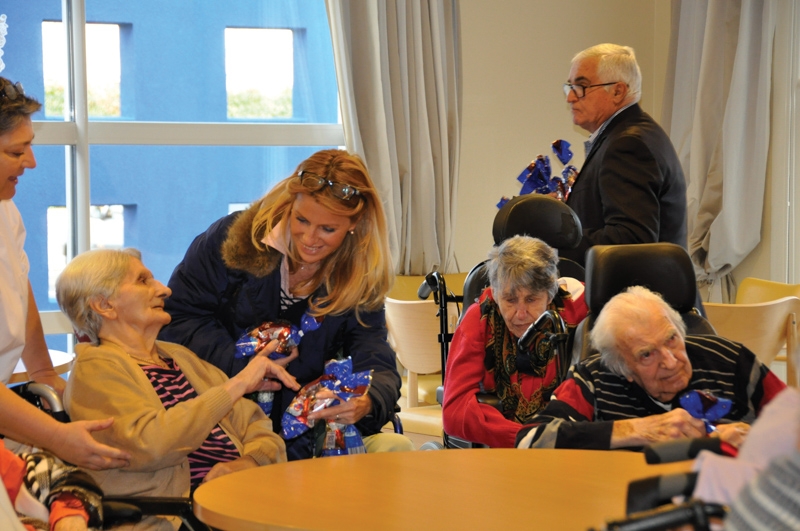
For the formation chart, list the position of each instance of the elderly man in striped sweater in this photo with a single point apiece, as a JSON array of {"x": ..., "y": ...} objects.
[{"x": 627, "y": 396}]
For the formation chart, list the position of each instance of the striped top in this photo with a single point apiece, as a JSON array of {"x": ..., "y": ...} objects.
[
  {"x": 172, "y": 388},
  {"x": 771, "y": 500},
  {"x": 584, "y": 406}
]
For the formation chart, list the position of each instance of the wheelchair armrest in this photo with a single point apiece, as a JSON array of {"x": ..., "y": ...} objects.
[
  {"x": 117, "y": 513},
  {"x": 681, "y": 449},
  {"x": 490, "y": 399},
  {"x": 483, "y": 398},
  {"x": 163, "y": 506},
  {"x": 37, "y": 394},
  {"x": 670, "y": 516},
  {"x": 649, "y": 493}
]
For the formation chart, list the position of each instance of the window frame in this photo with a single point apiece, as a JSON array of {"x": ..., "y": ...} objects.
[{"x": 78, "y": 133}]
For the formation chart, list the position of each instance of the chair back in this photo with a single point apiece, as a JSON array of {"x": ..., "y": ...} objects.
[
  {"x": 538, "y": 216},
  {"x": 752, "y": 290},
  {"x": 413, "y": 333},
  {"x": 763, "y": 327},
  {"x": 664, "y": 268}
]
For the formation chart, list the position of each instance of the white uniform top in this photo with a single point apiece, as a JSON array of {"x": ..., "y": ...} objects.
[{"x": 14, "y": 269}]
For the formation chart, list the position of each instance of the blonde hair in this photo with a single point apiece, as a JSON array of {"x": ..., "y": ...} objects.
[
  {"x": 92, "y": 275},
  {"x": 359, "y": 273}
]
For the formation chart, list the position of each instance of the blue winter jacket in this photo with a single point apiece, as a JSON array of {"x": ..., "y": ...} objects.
[{"x": 224, "y": 286}]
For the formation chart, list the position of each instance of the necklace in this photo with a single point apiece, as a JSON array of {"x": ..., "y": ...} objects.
[{"x": 160, "y": 363}]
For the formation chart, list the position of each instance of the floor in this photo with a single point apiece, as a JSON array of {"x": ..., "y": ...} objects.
[{"x": 419, "y": 439}]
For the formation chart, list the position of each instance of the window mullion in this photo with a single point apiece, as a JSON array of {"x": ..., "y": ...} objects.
[{"x": 76, "y": 105}]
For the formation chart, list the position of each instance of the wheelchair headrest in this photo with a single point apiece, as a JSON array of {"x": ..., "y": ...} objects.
[
  {"x": 664, "y": 268},
  {"x": 539, "y": 216}
]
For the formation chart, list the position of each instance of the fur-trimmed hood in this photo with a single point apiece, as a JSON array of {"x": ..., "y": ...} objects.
[{"x": 238, "y": 251}]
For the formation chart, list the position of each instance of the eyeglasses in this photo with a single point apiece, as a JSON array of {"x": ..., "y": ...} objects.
[
  {"x": 12, "y": 91},
  {"x": 580, "y": 90},
  {"x": 315, "y": 182}
]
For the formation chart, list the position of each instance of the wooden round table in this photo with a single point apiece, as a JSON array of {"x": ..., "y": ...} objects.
[{"x": 436, "y": 490}]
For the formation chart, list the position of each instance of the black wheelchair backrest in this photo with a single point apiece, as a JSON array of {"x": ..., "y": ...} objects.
[
  {"x": 664, "y": 268},
  {"x": 539, "y": 216}
]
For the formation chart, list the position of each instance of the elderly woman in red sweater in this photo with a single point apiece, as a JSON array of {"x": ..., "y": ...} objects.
[{"x": 523, "y": 278}]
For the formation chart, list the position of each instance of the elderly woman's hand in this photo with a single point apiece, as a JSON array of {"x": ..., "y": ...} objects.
[
  {"x": 71, "y": 523},
  {"x": 221, "y": 469},
  {"x": 286, "y": 360},
  {"x": 252, "y": 377}
]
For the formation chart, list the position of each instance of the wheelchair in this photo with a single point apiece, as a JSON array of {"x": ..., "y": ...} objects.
[
  {"x": 116, "y": 510},
  {"x": 534, "y": 215},
  {"x": 649, "y": 502},
  {"x": 664, "y": 268}
]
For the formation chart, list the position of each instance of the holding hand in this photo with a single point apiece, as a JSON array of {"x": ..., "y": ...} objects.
[
  {"x": 676, "y": 424},
  {"x": 49, "y": 377},
  {"x": 348, "y": 412},
  {"x": 252, "y": 377},
  {"x": 74, "y": 444}
]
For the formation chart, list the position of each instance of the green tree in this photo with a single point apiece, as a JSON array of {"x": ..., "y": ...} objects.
[{"x": 252, "y": 104}]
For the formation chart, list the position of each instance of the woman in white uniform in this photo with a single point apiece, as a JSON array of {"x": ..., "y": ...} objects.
[{"x": 20, "y": 327}]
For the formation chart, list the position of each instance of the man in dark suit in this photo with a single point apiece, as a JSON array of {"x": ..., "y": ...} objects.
[{"x": 631, "y": 188}]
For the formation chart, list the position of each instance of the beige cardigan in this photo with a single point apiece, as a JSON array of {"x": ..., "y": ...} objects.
[{"x": 106, "y": 382}]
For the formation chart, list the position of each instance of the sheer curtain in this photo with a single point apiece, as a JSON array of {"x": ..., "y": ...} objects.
[
  {"x": 399, "y": 72},
  {"x": 720, "y": 124}
]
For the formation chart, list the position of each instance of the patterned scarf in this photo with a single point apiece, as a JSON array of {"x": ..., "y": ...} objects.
[
  {"x": 46, "y": 477},
  {"x": 501, "y": 363}
]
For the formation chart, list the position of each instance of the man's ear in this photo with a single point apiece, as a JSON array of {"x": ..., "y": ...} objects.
[
  {"x": 620, "y": 92},
  {"x": 102, "y": 307}
]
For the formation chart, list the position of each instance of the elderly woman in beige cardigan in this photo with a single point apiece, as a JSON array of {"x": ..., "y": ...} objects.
[{"x": 181, "y": 419}]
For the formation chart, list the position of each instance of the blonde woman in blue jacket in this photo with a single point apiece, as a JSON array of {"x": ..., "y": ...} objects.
[{"x": 315, "y": 245}]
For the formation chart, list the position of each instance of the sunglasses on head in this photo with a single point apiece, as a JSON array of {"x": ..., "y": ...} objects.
[
  {"x": 12, "y": 91},
  {"x": 315, "y": 182}
]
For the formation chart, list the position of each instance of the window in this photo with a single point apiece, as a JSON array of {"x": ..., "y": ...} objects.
[
  {"x": 107, "y": 225},
  {"x": 102, "y": 69},
  {"x": 259, "y": 85},
  {"x": 162, "y": 150}
]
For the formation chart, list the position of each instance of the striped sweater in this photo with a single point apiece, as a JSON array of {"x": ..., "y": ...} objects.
[
  {"x": 584, "y": 407},
  {"x": 771, "y": 501}
]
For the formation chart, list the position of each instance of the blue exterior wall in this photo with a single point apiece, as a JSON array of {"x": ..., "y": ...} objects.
[{"x": 173, "y": 69}]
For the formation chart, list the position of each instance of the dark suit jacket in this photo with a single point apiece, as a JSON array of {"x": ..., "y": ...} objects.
[{"x": 631, "y": 188}]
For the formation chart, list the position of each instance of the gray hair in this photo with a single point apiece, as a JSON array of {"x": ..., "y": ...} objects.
[
  {"x": 522, "y": 262},
  {"x": 631, "y": 306},
  {"x": 615, "y": 63},
  {"x": 12, "y": 112},
  {"x": 90, "y": 276}
]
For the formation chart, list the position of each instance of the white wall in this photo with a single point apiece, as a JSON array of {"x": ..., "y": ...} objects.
[{"x": 516, "y": 56}]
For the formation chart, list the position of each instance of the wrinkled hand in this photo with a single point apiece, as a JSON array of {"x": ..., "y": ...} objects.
[
  {"x": 253, "y": 376},
  {"x": 221, "y": 469},
  {"x": 676, "y": 424},
  {"x": 74, "y": 444},
  {"x": 348, "y": 412},
  {"x": 733, "y": 434},
  {"x": 71, "y": 523}
]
